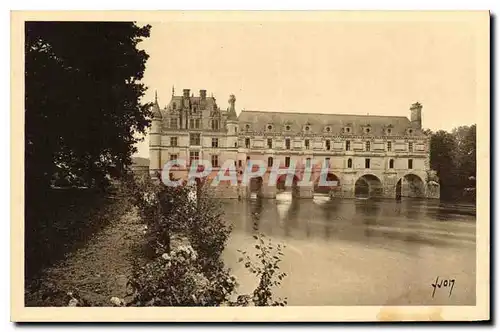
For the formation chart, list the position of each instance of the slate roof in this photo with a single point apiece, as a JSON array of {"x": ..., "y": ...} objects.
[{"x": 317, "y": 122}]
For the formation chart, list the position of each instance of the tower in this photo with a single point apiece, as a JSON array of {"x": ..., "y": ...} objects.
[
  {"x": 232, "y": 123},
  {"x": 155, "y": 139},
  {"x": 416, "y": 115}
]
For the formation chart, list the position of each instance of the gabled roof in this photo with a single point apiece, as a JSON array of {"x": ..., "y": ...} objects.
[{"x": 317, "y": 122}]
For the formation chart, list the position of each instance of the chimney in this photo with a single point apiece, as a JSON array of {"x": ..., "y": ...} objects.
[
  {"x": 186, "y": 93},
  {"x": 416, "y": 115},
  {"x": 203, "y": 94}
]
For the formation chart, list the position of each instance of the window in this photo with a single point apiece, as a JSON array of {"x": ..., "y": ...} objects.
[
  {"x": 410, "y": 131},
  {"x": 247, "y": 127},
  {"x": 174, "y": 106},
  {"x": 197, "y": 123},
  {"x": 391, "y": 163},
  {"x": 410, "y": 163},
  {"x": 269, "y": 161},
  {"x": 287, "y": 127},
  {"x": 367, "y": 163},
  {"x": 193, "y": 157},
  {"x": 327, "y": 144},
  {"x": 287, "y": 161},
  {"x": 307, "y": 128},
  {"x": 215, "y": 160},
  {"x": 240, "y": 163},
  {"x": 194, "y": 139},
  {"x": 306, "y": 143},
  {"x": 235, "y": 129},
  {"x": 173, "y": 123},
  {"x": 215, "y": 124},
  {"x": 349, "y": 163},
  {"x": 327, "y": 161},
  {"x": 248, "y": 159},
  {"x": 389, "y": 146},
  {"x": 215, "y": 142},
  {"x": 328, "y": 129},
  {"x": 269, "y": 143},
  {"x": 389, "y": 131},
  {"x": 367, "y": 146},
  {"x": 367, "y": 130},
  {"x": 410, "y": 146},
  {"x": 191, "y": 123},
  {"x": 173, "y": 141},
  {"x": 287, "y": 144},
  {"x": 348, "y": 145},
  {"x": 348, "y": 130},
  {"x": 173, "y": 157},
  {"x": 235, "y": 144},
  {"x": 269, "y": 127},
  {"x": 247, "y": 143},
  {"x": 308, "y": 162}
]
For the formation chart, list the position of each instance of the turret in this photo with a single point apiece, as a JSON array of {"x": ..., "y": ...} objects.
[
  {"x": 155, "y": 138},
  {"x": 416, "y": 115},
  {"x": 232, "y": 123}
]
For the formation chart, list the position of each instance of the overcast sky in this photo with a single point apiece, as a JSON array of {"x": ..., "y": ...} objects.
[{"x": 377, "y": 68}]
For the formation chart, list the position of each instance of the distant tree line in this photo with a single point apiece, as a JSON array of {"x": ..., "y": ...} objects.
[{"x": 453, "y": 157}]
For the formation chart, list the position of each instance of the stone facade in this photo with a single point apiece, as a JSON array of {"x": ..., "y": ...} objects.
[{"x": 384, "y": 156}]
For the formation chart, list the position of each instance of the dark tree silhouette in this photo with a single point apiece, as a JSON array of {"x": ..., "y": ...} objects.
[{"x": 82, "y": 100}]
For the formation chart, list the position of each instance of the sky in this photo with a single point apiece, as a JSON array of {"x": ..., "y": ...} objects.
[{"x": 362, "y": 67}]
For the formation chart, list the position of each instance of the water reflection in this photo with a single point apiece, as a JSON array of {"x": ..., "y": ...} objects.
[{"x": 380, "y": 221}]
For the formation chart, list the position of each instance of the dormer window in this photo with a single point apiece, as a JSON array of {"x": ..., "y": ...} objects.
[
  {"x": 269, "y": 127},
  {"x": 388, "y": 130},
  {"x": 306, "y": 128},
  {"x": 367, "y": 130},
  {"x": 247, "y": 127},
  {"x": 174, "y": 106},
  {"x": 347, "y": 130},
  {"x": 287, "y": 127},
  {"x": 328, "y": 129},
  {"x": 409, "y": 131}
]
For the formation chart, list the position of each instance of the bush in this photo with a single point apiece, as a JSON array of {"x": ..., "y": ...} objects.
[{"x": 192, "y": 273}]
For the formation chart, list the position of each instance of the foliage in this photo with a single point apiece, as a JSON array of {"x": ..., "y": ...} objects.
[
  {"x": 192, "y": 272},
  {"x": 453, "y": 156},
  {"x": 207, "y": 231},
  {"x": 178, "y": 279},
  {"x": 82, "y": 95},
  {"x": 163, "y": 210}
]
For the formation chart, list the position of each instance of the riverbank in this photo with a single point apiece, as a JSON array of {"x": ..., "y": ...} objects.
[{"x": 98, "y": 269}]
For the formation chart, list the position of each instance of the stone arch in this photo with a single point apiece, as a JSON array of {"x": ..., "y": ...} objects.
[
  {"x": 323, "y": 189},
  {"x": 282, "y": 186},
  {"x": 410, "y": 185},
  {"x": 255, "y": 186},
  {"x": 367, "y": 186}
]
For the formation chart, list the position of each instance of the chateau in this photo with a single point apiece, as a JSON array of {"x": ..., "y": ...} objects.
[{"x": 378, "y": 156}]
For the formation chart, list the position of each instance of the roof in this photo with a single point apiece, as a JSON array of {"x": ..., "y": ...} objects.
[{"x": 317, "y": 122}]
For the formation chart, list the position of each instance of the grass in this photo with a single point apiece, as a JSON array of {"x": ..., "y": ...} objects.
[{"x": 78, "y": 241}]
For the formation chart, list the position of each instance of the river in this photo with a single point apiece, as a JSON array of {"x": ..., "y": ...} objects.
[{"x": 360, "y": 252}]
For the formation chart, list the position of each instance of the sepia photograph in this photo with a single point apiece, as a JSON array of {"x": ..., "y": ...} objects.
[{"x": 329, "y": 166}]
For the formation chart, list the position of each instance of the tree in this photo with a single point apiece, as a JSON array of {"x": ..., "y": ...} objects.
[
  {"x": 465, "y": 153},
  {"x": 442, "y": 146},
  {"x": 82, "y": 95}
]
